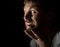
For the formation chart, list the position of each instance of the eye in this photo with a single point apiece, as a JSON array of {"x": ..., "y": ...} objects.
[{"x": 34, "y": 11}]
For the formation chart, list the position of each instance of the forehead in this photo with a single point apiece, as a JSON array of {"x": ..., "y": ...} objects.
[{"x": 29, "y": 5}]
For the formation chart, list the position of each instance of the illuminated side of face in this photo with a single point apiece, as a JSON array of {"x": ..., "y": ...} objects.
[{"x": 31, "y": 14}]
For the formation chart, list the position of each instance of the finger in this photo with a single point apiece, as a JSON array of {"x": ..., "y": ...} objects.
[
  {"x": 28, "y": 34},
  {"x": 31, "y": 34},
  {"x": 35, "y": 34}
]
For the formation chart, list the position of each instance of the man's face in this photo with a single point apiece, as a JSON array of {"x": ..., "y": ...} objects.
[
  {"x": 31, "y": 15},
  {"x": 36, "y": 19}
]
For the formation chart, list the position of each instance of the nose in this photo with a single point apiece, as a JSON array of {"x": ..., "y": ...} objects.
[{"x": 28, "y": 16}]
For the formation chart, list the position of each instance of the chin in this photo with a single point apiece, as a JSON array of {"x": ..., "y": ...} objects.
[{"x": 28, "y": 29}]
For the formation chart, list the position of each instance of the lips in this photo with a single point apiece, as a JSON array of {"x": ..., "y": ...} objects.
[{"x": 28, "y": 23}]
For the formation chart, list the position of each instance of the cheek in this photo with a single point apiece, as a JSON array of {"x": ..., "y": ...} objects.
[{"x": 35, "y": 22}]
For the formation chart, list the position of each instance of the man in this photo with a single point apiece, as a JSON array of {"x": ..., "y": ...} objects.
[{"x": 38, "y": 17}]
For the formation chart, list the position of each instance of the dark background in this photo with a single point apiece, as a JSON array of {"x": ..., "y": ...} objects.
[
  {"x": 22, "y": 40},
  {"x": 12, "y": 24}
]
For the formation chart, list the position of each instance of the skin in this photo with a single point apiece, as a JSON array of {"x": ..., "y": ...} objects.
[
  {"x": 32, "y": 16},
  {"x": 31, "y": 11}
]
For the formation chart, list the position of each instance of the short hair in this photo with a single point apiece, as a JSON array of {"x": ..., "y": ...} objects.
[{"x": 44, "y": 4}]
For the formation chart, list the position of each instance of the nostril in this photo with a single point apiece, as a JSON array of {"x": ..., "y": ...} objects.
[
  {"x": 29, "y": 15},
  {"x": 27, "y": 18}
]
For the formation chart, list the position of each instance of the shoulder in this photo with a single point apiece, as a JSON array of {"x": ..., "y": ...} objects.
[{"x": 56, "y": 40}]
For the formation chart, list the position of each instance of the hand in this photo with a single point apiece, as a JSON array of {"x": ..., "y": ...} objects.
[{"x": 34, "y": 36}]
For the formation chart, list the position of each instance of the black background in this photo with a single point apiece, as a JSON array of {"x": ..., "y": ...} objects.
[
  {"x": 12, "y": 24},
  {"x": 22, "y": 40}
]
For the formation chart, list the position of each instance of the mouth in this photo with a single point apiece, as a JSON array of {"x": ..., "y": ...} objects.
[{"x": 28, "y": 23}]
